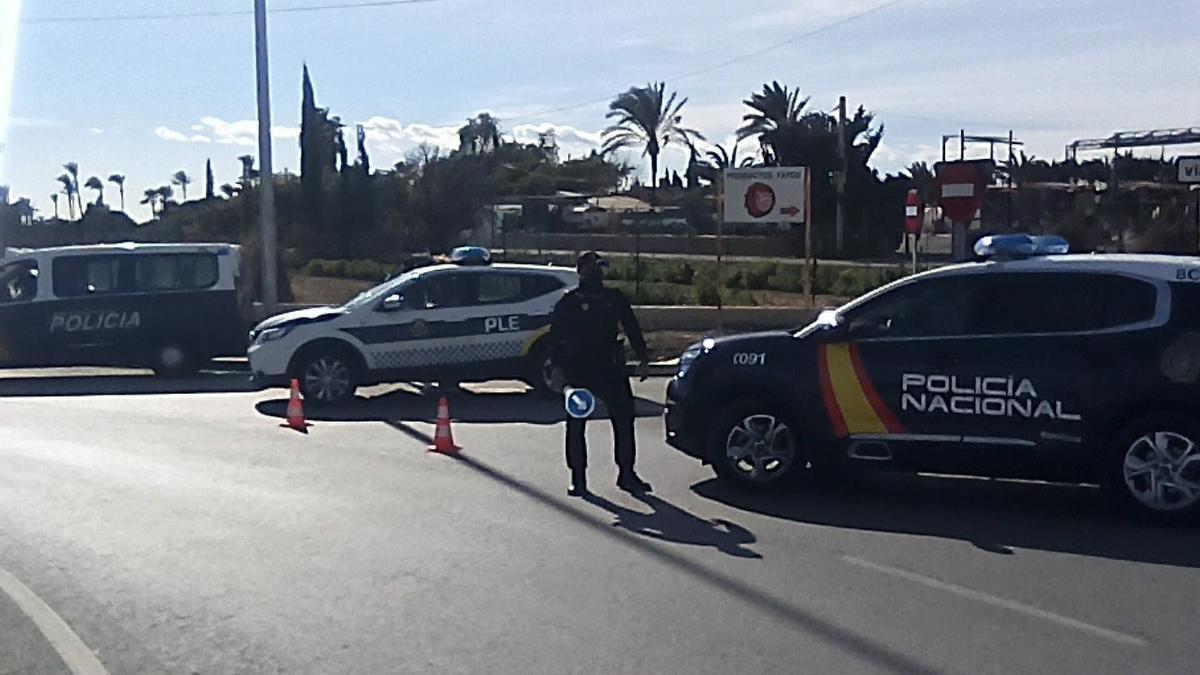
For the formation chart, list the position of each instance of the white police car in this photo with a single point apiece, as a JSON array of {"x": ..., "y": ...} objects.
[
  {"x": 1032, "y": 364},
  {"x": 465, "y": 321}
]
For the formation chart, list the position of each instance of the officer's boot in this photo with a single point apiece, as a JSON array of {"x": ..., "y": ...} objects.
[{"x": 578, "y": 487}]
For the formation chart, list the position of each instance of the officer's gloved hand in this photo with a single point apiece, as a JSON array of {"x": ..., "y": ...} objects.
[
  {"x": 643, "y": 371},
  {"x": 557, "y": 379}
]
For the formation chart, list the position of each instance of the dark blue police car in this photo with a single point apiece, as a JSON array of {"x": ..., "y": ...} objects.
[{"x": 1032, "y": 364}]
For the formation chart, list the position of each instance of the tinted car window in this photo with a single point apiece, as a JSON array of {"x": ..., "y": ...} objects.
[
  {"x": 174, "y": 272},
  {"x": 82, "y": 275},
  {"x": 932, "y": 308},
  {"x": 1063, "y": 302},
  {"x": 18, "y": 281},
  {"x": 499, "y": 287},
  {"x": 537, "y": 285},
  {"x": 451, "y": 289}
]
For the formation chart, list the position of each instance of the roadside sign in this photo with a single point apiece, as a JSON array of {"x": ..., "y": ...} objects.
[
  {"x": 914, "y": 213},
  {"x": 961, "y": 186},
  {"x": 1189, "y": 169},
  {"x": 580, "y": 403},
  {"x": 771, "y": 195}
]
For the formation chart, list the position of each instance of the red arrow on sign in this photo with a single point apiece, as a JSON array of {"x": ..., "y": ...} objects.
[{"x": 789, "y": 210}]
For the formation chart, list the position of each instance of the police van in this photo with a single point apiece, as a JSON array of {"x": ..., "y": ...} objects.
[
  {"x": 169, "y": 307},
  {"x": 467, "y": 320},
  {"x": 1031, "y": 363}
]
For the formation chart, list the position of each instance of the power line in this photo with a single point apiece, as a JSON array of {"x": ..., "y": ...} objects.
[
  {"x": 212, "y": 14},
  {"x": 721, "y": 64}
]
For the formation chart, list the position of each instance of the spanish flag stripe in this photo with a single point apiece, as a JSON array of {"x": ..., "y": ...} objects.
[
  {"x": 885, "y": 415},
  {"x": 831, "y": 406},
  {"x": 856, "y": 410}
]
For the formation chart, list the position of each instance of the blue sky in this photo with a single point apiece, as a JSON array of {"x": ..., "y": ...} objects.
[{"x": 148, "y": 97}]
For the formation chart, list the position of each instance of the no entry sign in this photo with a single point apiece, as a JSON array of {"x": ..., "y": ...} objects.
[{"x": 960, "y": 188}]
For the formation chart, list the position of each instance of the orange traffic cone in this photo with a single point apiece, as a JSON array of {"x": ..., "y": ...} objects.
[
  {"x": 295, "y": 409},
  {"x": 443, "y": 439}
]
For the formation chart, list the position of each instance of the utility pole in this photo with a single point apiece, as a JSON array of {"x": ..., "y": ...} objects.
[
  {"x": 266, "y": 183},
  {"x": 840, "y": 230}
]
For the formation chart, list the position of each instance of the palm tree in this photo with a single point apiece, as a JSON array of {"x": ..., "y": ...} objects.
[
  {"x": 54, "y": 198},
  {"x": 642, "y": 118},
  {"x": 229, "y": 190},
  {"x": 73, "y": 169},
  {"x": 93, "y": 183},
  {"x": 69, "y": 190},
  {"x": 247, "y": 169},
  {"x": 775, "y": 108},
  {"x": 119, "y": 181},
  {"x": 165, "y": 193},
  {"x": 150, "y": 196},
  {"x": 182, "y": 180}
]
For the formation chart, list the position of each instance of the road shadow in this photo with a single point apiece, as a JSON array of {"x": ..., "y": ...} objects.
[
  {"x": 667, "y": 522},
  {"x": 411, "y": 405},
  {"x": 861, "y": 646},
  {"x": 995, "y": 516},
  {"x": 205, "y": 382}
]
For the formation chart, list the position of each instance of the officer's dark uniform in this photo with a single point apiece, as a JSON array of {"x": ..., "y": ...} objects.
[{"x": 584, "y": 341}]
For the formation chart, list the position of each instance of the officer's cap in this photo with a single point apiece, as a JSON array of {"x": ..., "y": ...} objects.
[{"x": 590, "y": 258}]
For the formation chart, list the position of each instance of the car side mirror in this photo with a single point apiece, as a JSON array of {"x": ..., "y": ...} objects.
[
  {"x": 392, "y": 303},
  {"x": 832, "y": 324}
]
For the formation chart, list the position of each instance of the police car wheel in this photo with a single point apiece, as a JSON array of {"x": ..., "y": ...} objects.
[
  {"x": 753, "y": 444},
  {"x": 173, "y": 360},
  {"x": 327, "y": 378},
  {"x": 541, "y": 371},
  {"x": 1154, "y": 466}
]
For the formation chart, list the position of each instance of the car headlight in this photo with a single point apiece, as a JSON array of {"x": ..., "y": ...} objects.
[
  {"x": 689, "y": 355},
  {"x": 271, "y": 334}
]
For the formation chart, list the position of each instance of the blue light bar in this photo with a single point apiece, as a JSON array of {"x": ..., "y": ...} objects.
[
  {"x": 1020, "y": 245},
  {"x": 471, "y": 255}
]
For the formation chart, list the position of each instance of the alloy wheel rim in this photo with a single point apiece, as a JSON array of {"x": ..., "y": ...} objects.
[
  {"x": 327, "y": 378},
  {"x": 760, "y": 448},
  {"x": 1162, "y": 471}
]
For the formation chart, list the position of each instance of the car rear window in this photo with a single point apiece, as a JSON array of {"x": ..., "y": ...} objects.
[
  {"x": 1064, "y": 303},
  {"x": 538, "y": 284}
]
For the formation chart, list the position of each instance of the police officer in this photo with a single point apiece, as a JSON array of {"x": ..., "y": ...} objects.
[{"x": 587, "y": 354}]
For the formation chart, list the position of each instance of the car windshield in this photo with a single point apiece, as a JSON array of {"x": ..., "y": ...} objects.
[{"x": 381, "y": 291}]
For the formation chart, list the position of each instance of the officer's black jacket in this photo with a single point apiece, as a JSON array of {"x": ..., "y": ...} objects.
[{"x": 583, "y": 333}]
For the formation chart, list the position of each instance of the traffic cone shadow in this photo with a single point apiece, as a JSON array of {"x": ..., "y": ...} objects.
[
  {"x": 443, "y": 437},
  {"x": 295, "y": 410}
]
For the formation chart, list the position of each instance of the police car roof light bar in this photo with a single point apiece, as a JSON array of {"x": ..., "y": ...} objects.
[
  {"x": 1015, "y": 246},
  {"x": 471, "y": 255}
]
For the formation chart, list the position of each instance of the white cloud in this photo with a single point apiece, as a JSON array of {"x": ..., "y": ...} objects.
[
  {"x": 572, "y": 142},
  {"x": 96, "y": 130},
  {"x": 170, "y": 135},
  {"x": 217, "y": 130}
]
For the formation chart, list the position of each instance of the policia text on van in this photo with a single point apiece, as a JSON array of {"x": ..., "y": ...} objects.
[{"x": 166, "y": 306}]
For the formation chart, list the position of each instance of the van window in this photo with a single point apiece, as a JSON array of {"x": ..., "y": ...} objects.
[
  {"x": 174, "y": 272},
  {"x": 18, "y": 281},
  {"x": 84, "y": 275}
]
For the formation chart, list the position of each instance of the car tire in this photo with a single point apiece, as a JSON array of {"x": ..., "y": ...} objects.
[
  {"x": 174, "y": 359},
  {"x": 327, "y": 376},
  {"x": 540, "y": 369},
  {"x": 752, "y": 444},
  {"x": 1152, "y": 467}
]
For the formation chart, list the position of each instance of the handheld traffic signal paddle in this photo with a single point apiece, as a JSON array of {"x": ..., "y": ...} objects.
[
  {"x": 295, "y": 409},
  {"x": 443, "y": 439}
]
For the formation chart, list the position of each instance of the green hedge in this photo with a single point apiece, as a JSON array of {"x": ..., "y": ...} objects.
[
  {"x": 367, "y": 270},
  {"x": 670, "y": 281}
]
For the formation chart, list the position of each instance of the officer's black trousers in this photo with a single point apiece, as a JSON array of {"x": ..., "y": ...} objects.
[{"x": 618, "y": 399}]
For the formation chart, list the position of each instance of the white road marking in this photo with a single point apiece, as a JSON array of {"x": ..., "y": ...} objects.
[
  {"x": 1011, "y": 605},
  {"x": 74, "y": 653}
]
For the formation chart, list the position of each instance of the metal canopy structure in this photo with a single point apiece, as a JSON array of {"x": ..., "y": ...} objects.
[{"x": 1136, "y": 139}]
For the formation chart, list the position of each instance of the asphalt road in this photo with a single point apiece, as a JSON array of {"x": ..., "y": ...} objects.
[{"x": 177, "y": 528}]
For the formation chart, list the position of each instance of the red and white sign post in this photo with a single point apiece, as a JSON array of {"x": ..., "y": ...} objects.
[
  {"x": 914, "y": 218},
  {"x": 961, "y": 186}
]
